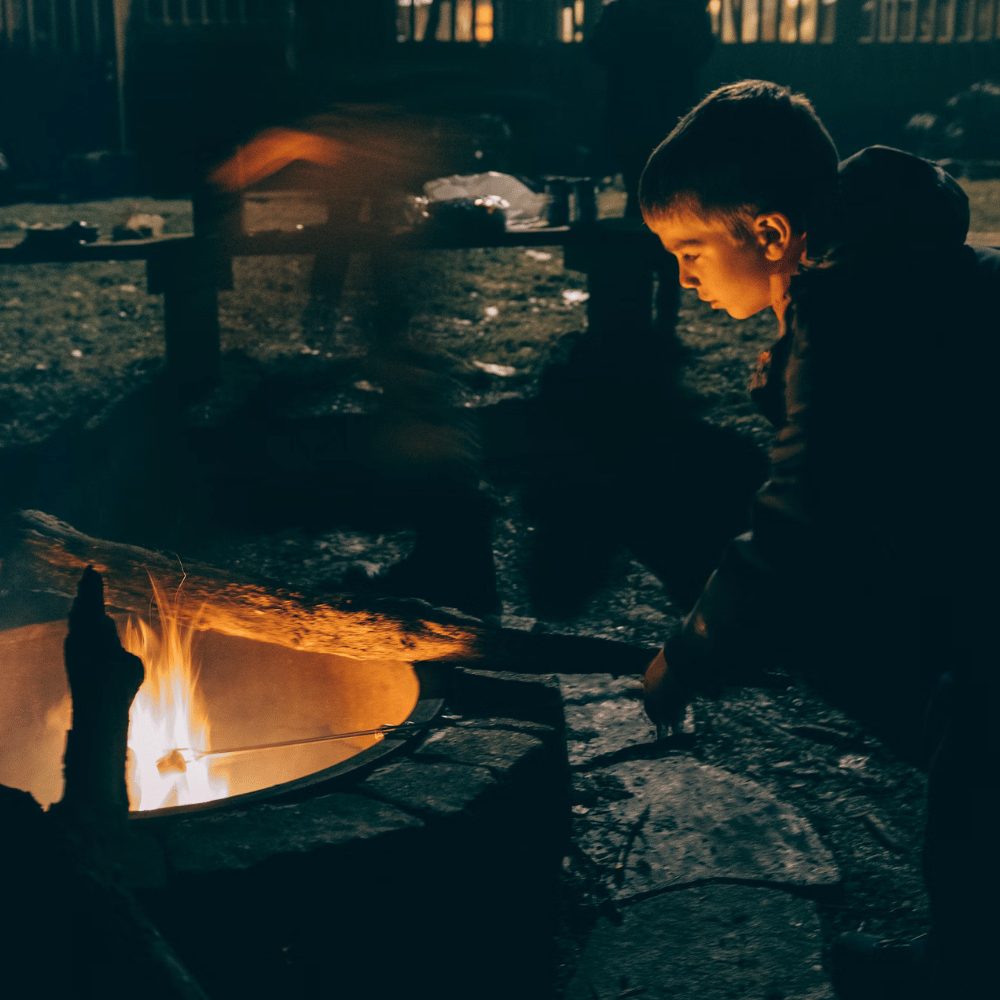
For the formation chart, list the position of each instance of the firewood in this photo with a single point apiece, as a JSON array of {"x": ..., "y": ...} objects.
[
  {"x": 45, "y": 557},
  {"x": 41, "y": 558}
]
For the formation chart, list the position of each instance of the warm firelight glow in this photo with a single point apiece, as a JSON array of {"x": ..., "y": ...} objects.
[
  {"x": 484, "y": 22},
  {"x": 168, "y": 713}
]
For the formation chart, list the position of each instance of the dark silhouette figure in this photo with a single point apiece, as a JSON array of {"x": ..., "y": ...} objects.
[
  {"x": 420, "y": 457},
  {"x": 616, "y": 399},
  {"x": 653, "y": 52}
]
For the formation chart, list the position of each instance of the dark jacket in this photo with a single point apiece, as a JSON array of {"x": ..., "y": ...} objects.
[{"x": 881, "y": 503}]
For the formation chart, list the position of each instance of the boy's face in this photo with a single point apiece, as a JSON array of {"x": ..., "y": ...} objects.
[{"x": 728, "y": 271}]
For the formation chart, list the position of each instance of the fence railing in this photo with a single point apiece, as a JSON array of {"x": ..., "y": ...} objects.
[
  {"x": 80, "y": 27},
  {"x": 735, "y": 22},
  {"x": 869, "y": 22},
  {"x": 486, "y": 21},
  {"x": 931, "y": 21},
  {"x": 193, "y": 13},
  {"x": 87, "y": 27},
  {"x": 744, "y": 22}
]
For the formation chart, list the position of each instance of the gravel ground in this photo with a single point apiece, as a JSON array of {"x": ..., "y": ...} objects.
[{"x": 73, "y": 339}]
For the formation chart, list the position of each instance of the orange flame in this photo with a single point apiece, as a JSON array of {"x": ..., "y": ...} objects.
[{"x": 168, "y": 714}]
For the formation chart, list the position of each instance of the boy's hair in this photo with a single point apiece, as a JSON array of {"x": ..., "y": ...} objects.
[{"x": 747, "y": 148}]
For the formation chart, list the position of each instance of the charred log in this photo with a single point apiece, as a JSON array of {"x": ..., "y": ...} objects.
[
  {"x": 45, "y": 557},
  {"x": 61, "y": 870},
  {"x": 103, "y": 681},
  {"x": 72, "y": 930}
]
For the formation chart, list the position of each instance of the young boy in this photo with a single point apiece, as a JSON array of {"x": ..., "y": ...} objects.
[{"x": 873, "y": 526}]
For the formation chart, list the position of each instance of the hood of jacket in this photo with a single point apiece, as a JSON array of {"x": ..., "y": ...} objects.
[{"x": 889, "y": 197}]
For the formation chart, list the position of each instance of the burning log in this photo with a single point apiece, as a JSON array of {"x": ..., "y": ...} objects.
[
  {"x": 45, "y": 558},
  {"x": 103, "y": 680},
  {"x": 41, "y": 559}
]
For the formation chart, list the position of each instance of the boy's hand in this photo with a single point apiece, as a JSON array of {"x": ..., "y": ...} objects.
[{"x": 665, "y": 697}]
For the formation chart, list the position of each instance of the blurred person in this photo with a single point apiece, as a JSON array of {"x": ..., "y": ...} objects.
[
  {"x": 653, "y": 52},
  {"x": 423, "y": 449}
]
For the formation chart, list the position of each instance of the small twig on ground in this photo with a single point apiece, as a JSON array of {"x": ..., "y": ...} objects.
[{"x": 620, "y": 864}]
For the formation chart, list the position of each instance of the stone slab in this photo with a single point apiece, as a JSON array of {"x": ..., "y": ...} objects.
[
  {"x": 478, "y": 692},
  {"x": 547, "y": 734},
  {"x": 500, "y": 750},
  {"x": 720, "y": 942},
  {"x": 242, "y": 839},
  {"x": 604, "y": 714},
  {"x": 429, "y": 788},
  {"x": 676, "y": 821}
]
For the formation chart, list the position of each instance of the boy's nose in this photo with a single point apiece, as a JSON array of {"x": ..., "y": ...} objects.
[{"x": 687, "y": 279}]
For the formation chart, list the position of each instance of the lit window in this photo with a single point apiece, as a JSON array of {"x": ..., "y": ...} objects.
[
  {"x": 809, "y": 21},
  {"x": 445, "y": 22},
  {"x": 571, "y": 21},
  {"x": 789, "y": 29},
  {"x": 411, "y": 19},
  {"x": 566, "y": 32},
  {"x": 448, "y": 20},
  {"x": 769, "y": 20},
  {"x": 715, "y": 11},
  {"x": 484, "y": 21}
]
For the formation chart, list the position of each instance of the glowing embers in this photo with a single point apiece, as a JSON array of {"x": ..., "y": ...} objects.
[{"x": 168, "y": 714}]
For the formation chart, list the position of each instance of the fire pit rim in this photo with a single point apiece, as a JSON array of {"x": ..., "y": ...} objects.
[{"x": 424, "y": 713}]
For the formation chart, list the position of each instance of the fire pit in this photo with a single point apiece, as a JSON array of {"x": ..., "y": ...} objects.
[
  {"x": 248, "y": 690},
  {"x": 270, "y": 709},
  {"x": 291, "y": 879}
]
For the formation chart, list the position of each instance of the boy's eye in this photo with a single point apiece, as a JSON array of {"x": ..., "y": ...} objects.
[{"x": 688, "y": 257}]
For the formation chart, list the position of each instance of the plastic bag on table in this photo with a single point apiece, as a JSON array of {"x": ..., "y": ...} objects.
[{"x": 525, "y": 209}]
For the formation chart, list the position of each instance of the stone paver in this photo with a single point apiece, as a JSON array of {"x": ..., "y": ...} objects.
[
  {"x": 659, "y": 832},
  {"x": 603, "y": 715},
  {"x": 719, "y": 942},
  {"x": 430, "y": 789},
  {"x": 681, "y": 821},
  {"x": 499, "y": 750},
  {"x": 242, "y": 839}
]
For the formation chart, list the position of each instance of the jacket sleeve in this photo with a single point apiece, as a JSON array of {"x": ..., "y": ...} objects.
[
  {"x": 747, "y": 612},
  {"x": 880, "y": 499}
]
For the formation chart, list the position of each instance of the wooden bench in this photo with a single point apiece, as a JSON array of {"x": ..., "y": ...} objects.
[{"x": 188, "y": 270}]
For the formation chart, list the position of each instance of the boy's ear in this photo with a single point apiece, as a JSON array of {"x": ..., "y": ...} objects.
[{"x": 774, "y": 234}]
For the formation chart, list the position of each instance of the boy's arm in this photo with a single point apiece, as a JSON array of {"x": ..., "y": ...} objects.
[{"x": 747, "y": 613}]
